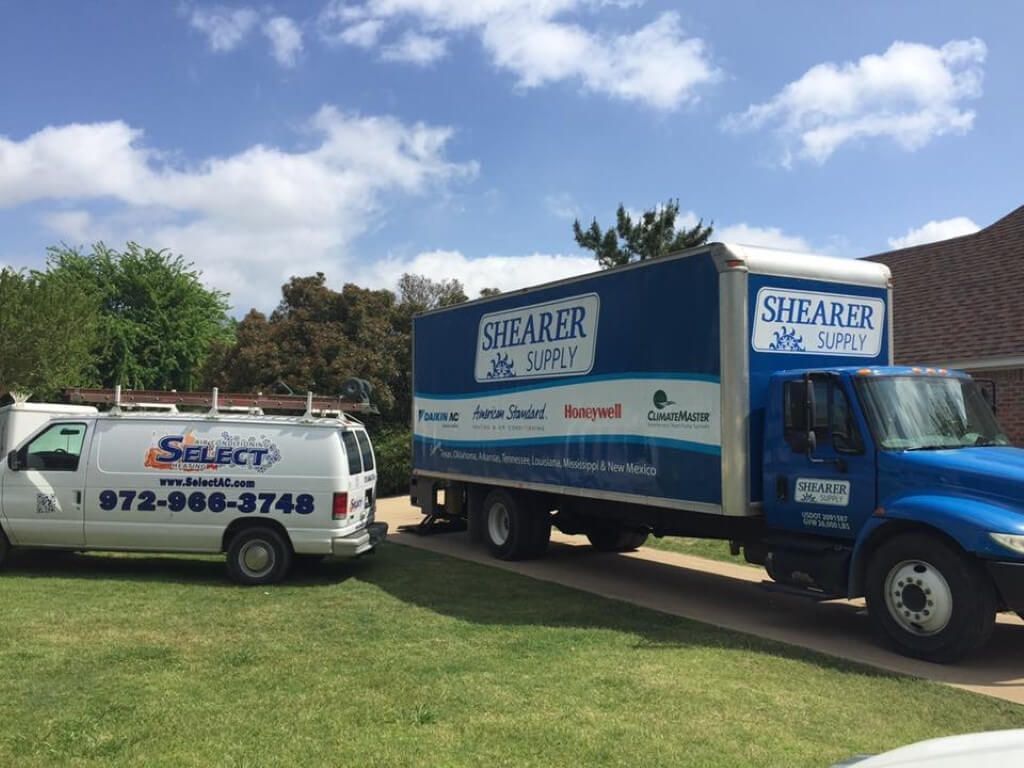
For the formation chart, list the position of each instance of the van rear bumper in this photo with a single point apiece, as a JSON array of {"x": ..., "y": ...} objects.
[
  {"x": 359, "y": 542},
  {"x": 1009, "y": 581}
]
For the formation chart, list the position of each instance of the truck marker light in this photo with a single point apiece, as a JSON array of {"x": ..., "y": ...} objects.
[
  {"x": 339, "y": 507},
  {"x": 1010, "y": 541},
  {"x": 864, "y": 372},
  {"x": 879, "y": 512}
]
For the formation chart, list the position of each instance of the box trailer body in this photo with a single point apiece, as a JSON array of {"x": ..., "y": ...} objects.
[
  {"x": 736, "y": 393},
  {"x": 638, "y": 384}
]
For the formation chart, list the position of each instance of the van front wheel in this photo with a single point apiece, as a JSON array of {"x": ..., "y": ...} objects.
[
  {"x": 258, "y": 556},
  {"x": 5, "y": 548}
]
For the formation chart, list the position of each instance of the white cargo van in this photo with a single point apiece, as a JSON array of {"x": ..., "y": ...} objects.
[{"x": 262, "y": 489}]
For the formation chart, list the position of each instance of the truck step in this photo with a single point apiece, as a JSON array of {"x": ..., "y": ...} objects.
[
  {"x": 810, "y": 594},
  {"x": 436, "y": 523}
]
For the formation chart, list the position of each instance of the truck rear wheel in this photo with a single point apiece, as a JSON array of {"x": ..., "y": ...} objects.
[
  {"x": 929, "y": 600},
  {"x": 608, "y": 537},
  {"x": 258, "y": 555},
  {"x": 513, "y": 528}
]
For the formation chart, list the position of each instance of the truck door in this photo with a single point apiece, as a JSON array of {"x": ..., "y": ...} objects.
[
  {"x": 825, "y": 484},
  {"x": 42, "y": 493}
]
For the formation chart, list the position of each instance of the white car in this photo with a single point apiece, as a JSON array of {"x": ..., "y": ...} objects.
[
  {"x": 993, "y": 749},
  {"x": 262, "y": 489}
]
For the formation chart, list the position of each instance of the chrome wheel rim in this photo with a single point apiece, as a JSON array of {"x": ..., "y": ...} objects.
[
  {"x": 918, "y": 597},
  {"x": 256, "y": 558},
  {"x": 498, "y": 523}
]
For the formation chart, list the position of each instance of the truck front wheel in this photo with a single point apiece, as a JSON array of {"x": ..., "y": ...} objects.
[
  {"x": 928, "y": 599},
  {"x": 514, "y": 530}
]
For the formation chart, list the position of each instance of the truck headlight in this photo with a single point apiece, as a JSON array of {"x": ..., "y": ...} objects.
[{"x": 1010, "y": 541}]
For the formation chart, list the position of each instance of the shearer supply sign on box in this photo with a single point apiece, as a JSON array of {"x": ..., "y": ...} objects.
[
  {"x": 556, "y": 338},
  {"x": 788, "y": 321}
]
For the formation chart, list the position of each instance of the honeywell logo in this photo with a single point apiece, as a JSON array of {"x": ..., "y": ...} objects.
[{"x": 593, "y": 413}]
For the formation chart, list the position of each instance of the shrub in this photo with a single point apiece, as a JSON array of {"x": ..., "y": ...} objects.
[{"x": 393, "y": 449}]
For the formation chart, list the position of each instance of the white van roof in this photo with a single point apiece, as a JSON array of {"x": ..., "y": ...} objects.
[
  {"x": 233, "y": 418},
  {"x": 55, "y": 408}
]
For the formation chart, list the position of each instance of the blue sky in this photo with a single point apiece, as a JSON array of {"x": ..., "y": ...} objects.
[{"x": 364, "y": 139}]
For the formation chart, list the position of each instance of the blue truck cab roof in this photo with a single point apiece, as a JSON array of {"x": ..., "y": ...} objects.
[{"x": 879, "y": 370}]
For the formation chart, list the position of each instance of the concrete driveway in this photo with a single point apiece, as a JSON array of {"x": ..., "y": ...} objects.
[{"x": 731, "y": 596}]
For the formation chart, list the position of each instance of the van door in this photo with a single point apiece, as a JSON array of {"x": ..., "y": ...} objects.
[
  {"x": 362, "y": 474},
  {"x": 42, "y": 499}
]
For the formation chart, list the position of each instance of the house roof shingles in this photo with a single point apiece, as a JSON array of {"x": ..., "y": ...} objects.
[{"x": 960, "y": 299}]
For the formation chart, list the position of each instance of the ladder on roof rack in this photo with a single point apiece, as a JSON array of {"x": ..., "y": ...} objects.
[{"x": 213, "y": 400}]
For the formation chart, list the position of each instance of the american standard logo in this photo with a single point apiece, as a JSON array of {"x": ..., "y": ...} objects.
[
  {"x": 556, "y": 338},
  {"x": 608, "y": 412},
  {"x": 511, "y": 412},
  {"x": 830, "y": 493},
  {"x": 663, "y": 414},
  {"x": 804, "y": 322}
]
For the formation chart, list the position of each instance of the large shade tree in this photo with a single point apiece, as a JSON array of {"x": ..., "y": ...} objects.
[{"x": 653, "y": 235}]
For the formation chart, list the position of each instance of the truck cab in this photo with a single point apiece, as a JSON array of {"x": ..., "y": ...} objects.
[{"x": 897, "y": 484}]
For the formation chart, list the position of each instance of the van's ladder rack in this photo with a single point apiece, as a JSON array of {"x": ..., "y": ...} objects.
[{"x": 309, "y": 404}]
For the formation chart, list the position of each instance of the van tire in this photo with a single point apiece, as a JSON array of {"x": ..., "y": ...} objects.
[
  {"x": 608, "y": 537},
  {"x": 5, "y": 548},
  {"x": 258, "y": 555},
  {"x": 512, "y": 529},
  {"x": 951, "y": 584}
]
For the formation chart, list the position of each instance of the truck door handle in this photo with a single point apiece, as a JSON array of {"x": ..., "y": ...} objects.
[{"x": 781, "y": 487}]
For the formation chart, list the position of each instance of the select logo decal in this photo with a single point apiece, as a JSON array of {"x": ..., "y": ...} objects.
[
  {"x": 804, "y": 322},
  {"x": 557, "y": 338},
  {"x": 187, "y": 453},
  {"x": 660, "y": 414},
  {"x": 830, "y": 493}
]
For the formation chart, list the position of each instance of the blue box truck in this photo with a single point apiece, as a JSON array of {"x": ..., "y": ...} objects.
[{"x": 733, "y": 393}]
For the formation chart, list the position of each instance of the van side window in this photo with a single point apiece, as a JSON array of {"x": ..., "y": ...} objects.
[
  {"x": 364, "y": 449},
  {"x": 352, "y": 451},
  {"x": 58, "y": 449}
]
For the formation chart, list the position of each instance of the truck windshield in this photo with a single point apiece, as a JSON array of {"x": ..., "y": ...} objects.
[{"x": 918, "y": 413}]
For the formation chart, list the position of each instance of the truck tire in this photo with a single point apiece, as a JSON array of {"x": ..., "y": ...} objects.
[
  {"x": 258, "y": 555},
  {"x": 512, "y": 528},
  {"x": 608, "y": 537},
  {"x": 928, "y": 600}
]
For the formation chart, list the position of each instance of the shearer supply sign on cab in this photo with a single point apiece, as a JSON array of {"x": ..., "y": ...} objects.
[
  {"x": 789, "y": 321},
  {"x": 556, "y": 338}
]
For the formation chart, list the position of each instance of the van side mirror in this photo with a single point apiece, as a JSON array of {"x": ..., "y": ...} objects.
[{"x": 14, "y": 461}]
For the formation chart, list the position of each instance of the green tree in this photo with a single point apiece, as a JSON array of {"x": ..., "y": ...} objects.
[
  {"x": 419, "y": 293},
  {"x": 158, "y": 321},
  {"x": 653, "y": 236},
  {"x": 48, "y": 330},
  {"x": 486, "y": 293}
]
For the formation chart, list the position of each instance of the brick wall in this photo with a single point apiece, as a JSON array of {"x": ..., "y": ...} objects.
[{"x": 1009, "y": 399}]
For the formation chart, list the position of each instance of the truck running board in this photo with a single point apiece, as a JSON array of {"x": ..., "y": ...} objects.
[{"x": 810, "y": 594}]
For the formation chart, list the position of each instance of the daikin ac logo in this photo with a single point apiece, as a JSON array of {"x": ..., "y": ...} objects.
[{"x": 788, "y": 321}]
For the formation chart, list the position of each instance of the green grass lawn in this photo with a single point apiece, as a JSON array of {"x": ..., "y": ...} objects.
[
  {"x": 710, "y": 548},
  {"x": 409, "y": 658}
]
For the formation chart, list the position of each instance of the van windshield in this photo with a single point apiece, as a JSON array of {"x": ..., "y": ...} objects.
[{"x": 919, "y": 413}]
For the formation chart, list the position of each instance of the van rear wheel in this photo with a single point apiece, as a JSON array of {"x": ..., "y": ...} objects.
[{"x": 258, "y": 556}]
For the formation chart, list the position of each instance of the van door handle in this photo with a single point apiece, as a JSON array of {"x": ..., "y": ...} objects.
[{"x": 78, "y": 498}]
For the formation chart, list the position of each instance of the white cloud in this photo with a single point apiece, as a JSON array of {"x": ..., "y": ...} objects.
[
  {"x": 656, "y": 65},
  {"x": 249, "y": 220},
  {"x": 562, "y": 206},
  {"x": 71, "y": 226},
  {"x": 934, "y": 231},
  {"x": 414, "y": 48},
  {"x": 505, "y": 272},
  {"x": 909, "y": 94},
  {"x": 767, "y": 237},
  {"x": 285, "y": 39},
  {"x": 225, "y": 28}
]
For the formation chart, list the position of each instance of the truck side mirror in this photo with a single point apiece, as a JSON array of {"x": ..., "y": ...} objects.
[
  {"x": 809, "y": 404},
  {"x": 14, "y": 461}
]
